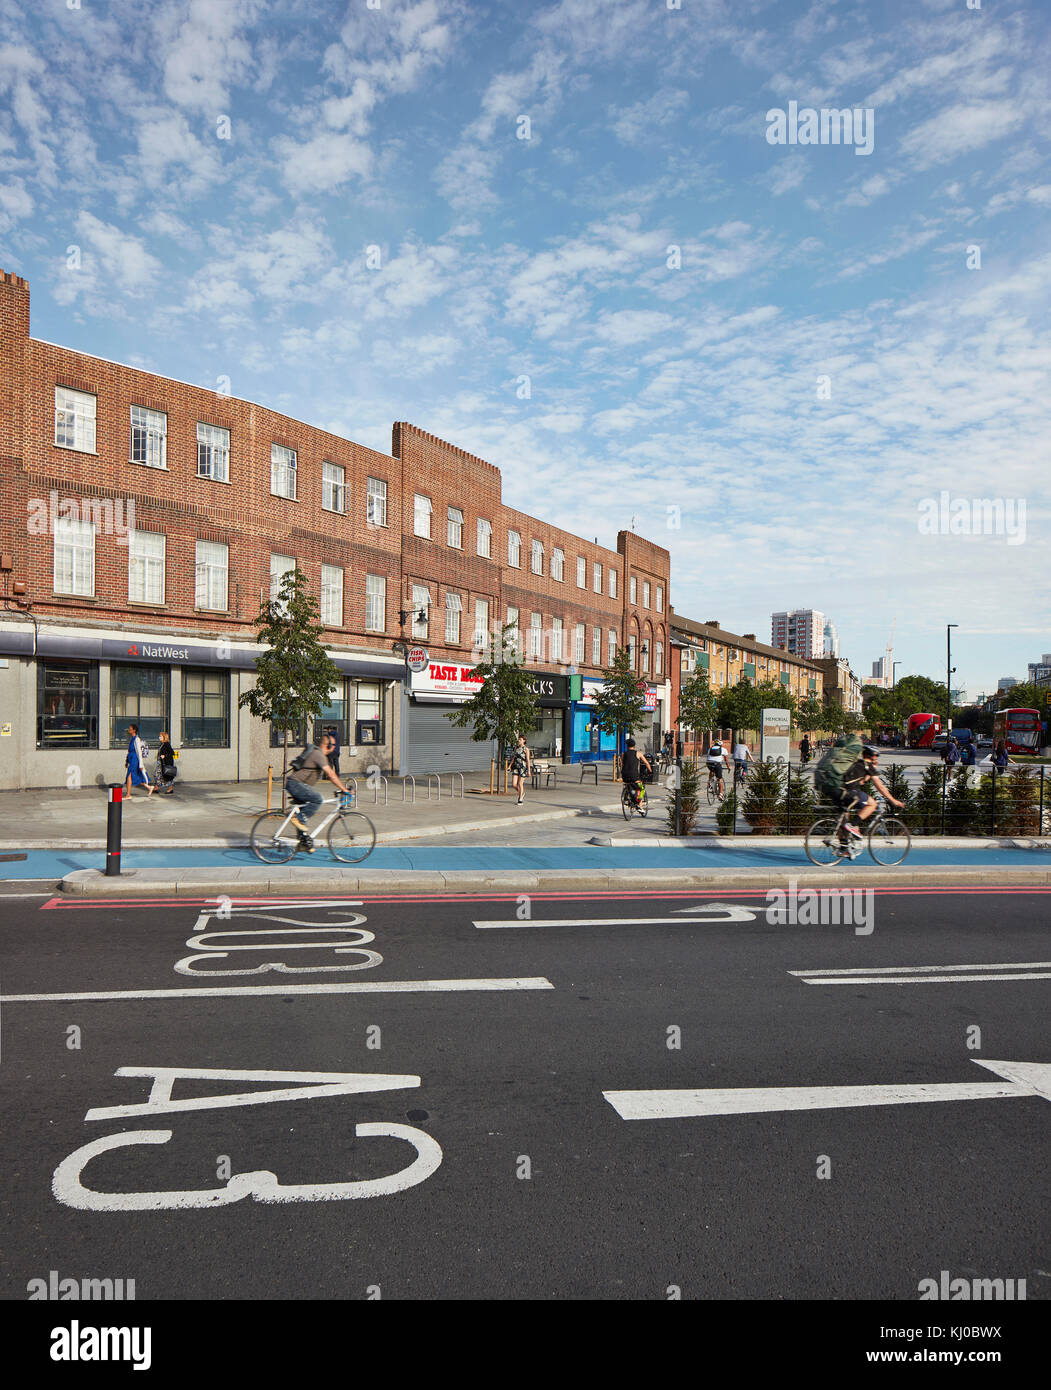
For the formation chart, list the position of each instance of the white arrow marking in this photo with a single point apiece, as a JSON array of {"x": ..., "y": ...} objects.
[
  {"x": 927, "y": 974},
  {"x": 245, "y": 991},
  {"x": 1021, "y": 1079},
  {"x": 720, "y": 912}
]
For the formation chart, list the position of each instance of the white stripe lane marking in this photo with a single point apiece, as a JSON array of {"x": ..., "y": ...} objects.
[
  {"x": 1021, "y": 1079},
  {"x": 247, "y": 991},
  {"x": 727, "y": 913},
  {"x": 924, "y": 969},
  {"x": 925, "y": 979}
]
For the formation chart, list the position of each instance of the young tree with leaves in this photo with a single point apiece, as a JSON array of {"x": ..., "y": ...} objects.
[
  {"x": 698, "y": 704},
  {"x": 294, "y": 676},
  {"x": 505, "y": 703},
  {"x": 619, "y": 704}
]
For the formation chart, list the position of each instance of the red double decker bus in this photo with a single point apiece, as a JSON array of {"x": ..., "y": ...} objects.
[
  {"x": 1019, "y": 729},
  {"x": 921, "y": 729}
]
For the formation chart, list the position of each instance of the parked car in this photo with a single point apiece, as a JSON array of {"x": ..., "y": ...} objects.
[
  {"x": 939, "y": 743},
  {"x": 984, "y": 744}
]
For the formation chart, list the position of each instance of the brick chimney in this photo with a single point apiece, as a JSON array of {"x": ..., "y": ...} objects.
[{"x": 14, "y": 351}]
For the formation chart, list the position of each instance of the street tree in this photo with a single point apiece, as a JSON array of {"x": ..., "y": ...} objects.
[
  {"x": 505, "y": 703},
  {"x": 620, "y": 701},
  {"x": 294, "y": 674},
  {"x": 698, "y": 704}
]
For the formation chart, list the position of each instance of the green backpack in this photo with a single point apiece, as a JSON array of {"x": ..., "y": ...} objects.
[{"x": 835, "y": 764}]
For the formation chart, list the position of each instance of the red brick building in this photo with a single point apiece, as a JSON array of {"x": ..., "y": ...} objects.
[{"x": 144, "y": 520}]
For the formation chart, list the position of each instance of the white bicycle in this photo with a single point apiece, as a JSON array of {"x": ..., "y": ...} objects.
[{"x": 351, "y": 835}]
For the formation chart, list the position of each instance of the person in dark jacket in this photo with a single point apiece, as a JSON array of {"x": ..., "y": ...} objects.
[
  {"x": 166, "y": 769},
  {"x": 333, "y": 757}
]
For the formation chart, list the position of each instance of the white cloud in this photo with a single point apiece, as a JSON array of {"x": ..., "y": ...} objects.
[{"x": 961, "y": 129}]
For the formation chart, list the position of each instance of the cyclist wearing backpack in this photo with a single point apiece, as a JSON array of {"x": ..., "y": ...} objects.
[
  {"x": 856, "y": 780},
  {"x": 301, "y": 784}
]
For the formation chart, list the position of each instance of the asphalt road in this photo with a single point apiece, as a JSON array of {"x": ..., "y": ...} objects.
[{"x": 542, "y": 1189}]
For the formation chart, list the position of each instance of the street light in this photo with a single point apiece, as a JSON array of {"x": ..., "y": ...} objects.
[{"x": 948, "y": 674}]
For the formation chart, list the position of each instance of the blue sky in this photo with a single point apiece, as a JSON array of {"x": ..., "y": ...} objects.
[{"x": 651, "y": 384}]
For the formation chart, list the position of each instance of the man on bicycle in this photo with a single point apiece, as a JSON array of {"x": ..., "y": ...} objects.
[
  {"x": 742, "y": 757},
  {"x": 717, "y": 760},
  {"x": 302, "y": 787},
  {"x": 855, "y": 781},
  {"x": 629, "y": 769}
]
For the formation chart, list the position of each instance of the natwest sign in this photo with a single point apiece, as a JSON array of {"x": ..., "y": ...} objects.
[{"x": 452, "y": 682}]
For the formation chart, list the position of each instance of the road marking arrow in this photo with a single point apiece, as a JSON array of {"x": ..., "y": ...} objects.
[
  {"x": 1020, "y": 1079},
  {"x": 928, "y": 974},
  {"x": 713, "y": 913}
]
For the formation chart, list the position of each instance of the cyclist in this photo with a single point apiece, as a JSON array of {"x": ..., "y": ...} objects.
[
  {"x": 629, "y": 771},
  {"x": 301, "y": 786},
  {"x": 855, "y": 796},
  {"x": 742, "y": 757},
  {"x": 804, "y": 751},
  {"x": 717, "y": 760}
]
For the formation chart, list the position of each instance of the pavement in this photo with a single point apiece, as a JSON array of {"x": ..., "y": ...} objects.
[{"x": 633, "y": 1096}]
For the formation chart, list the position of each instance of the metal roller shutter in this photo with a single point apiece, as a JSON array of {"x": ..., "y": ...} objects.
[{"x": 436, "y": 745}]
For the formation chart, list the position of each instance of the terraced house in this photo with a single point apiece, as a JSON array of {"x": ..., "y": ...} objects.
[{"x": 145, "y": 520}]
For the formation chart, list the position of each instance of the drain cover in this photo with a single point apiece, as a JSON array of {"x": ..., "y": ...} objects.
[{"x": 417, "y": 1115}]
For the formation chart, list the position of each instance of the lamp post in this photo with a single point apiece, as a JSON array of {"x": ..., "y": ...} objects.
[{"x": 948, "y": 674}]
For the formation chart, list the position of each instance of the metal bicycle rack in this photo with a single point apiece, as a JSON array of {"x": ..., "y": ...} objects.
[
  {"x": 438, "y": 783},
  {"x": 376, "y": 791},
  {"x": 404, "y": 780}
]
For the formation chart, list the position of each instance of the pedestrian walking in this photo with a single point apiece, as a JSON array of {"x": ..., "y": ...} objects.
[
  {"x": 166, "y": 769},
  {"x": 521, "y": 766},
  {"x": 135, "y": 763},
  {"x": 333, "y": 757}
]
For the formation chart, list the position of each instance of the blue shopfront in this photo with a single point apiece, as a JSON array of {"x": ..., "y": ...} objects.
[{"x": 588, "y": 742}]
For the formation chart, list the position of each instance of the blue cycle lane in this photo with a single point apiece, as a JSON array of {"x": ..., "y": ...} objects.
[{"x": 50, "y": 864}]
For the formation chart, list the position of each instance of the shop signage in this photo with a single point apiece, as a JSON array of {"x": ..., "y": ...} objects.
[
  {"x": 418, "y": 659},
  {"x": 550, "y": 689},
  {"x": 457, "y": 682}
]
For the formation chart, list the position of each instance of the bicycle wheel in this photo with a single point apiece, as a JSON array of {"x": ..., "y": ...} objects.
[
  {"x": 265, "y": 842},
  {"x": 351, "y": 837},
  {"x": 822, "y": 843},
  {"x": 713, "y": 791},
  {"x": 889, "y": 841}
]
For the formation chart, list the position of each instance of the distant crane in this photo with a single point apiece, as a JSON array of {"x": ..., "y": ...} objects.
[{"x": 888, "y": 666}]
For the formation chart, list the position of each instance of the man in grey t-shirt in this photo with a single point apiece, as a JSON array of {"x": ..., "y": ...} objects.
[{"x": 302, "y": 785}]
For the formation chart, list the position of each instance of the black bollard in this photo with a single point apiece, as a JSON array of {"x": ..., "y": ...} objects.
[{"x": 113, "y": 818}]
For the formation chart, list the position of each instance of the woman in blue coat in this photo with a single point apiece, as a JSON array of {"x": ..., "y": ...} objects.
[{"x": 135, "y": 762}]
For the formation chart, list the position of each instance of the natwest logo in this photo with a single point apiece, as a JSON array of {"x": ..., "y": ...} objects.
[
  {"x": 133, "y": 650},
  {"x": 159, "y": 653}
]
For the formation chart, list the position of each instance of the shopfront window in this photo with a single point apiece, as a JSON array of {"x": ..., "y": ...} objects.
[
  {"x": 334, "y": 715},
  {"x": 139, "y": 695},
  {"x": 545, "y": 738},
  {"x": 67, "y": 705},
  {"x": 205, "y": 709},
  {"x": 368, "y": 705}
]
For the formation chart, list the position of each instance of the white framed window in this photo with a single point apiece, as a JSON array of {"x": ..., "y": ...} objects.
[
  {"x": 280, "y": 565},
  {"x": 582, "y": 572},
  {"x": 453, "y": 609},
  {"x": 421, "y": 605},
  {"x": 375, "y": 603},
  {"x": 536, "y": 635},
  {"x": 332, "y": 595},
  {"x": 454, "y": 528},
  {"x": 613, "y": 583},
  {"x": 149, "y": 437},
  {"x": 645, "y": 655},
  {"x": 333, "y": 487},
  {"x": 485, "y": 538},
  {"x": 75, "y": 419},
  {"x": 481, "y": 624},
  {"x": 213, "y": 453},
  {"x": 421, "y": 516},
  {"x": 580, "y": 643},
  {"x": 146, "y": 567},
  {"x": 74, "y": 557},
  {"x": 611, "y": 647},
  {"x": 658, "y": 659},
  {"x": 212, "y": 563},
  {"x": 633, "y": 590},
  {"x": 631, "y": 652},
  {"x": 537, "y": 553},
  {"x": 660, "y": 598},
  {"x": 514, "y": 550},
  {"x": 283, "y": 466},
  {"x": 645, "y": 593},
  {"x": 375, "y": 502},
  {"x": 558, "y": 564},
  {"x": 596, "y": 646},
  {"x": 596, "y": 577},
  {"x": 556, "y": 639},
  {"x": 516, "y": 635}
]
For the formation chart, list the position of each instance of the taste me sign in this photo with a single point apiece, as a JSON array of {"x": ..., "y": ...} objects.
[{"x": 455, "y": 682}]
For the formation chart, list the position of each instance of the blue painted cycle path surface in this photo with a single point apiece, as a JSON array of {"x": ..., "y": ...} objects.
[{"x": 54, "y": 864}]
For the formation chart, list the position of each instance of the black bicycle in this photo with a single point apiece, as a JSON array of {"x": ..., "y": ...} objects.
[{"x": 828, "y": 841}]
